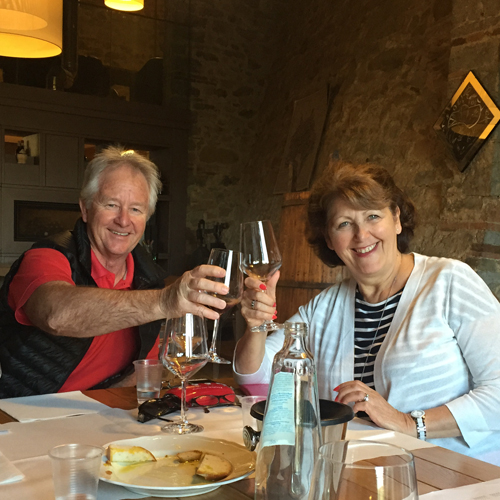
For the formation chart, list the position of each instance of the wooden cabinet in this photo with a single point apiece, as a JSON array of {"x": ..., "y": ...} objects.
[
  {"x": 63, "y": 155},
  {"x": 63, "y": 130}
]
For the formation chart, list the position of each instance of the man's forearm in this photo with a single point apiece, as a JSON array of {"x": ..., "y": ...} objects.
[
  {"x": 66, "y": 310},
  {"x": 63, "y": 309}
]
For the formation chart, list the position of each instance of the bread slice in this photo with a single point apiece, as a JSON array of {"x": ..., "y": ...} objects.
[
  {"x": 189, "y": 456},
  {"x": 213, "y": 467},
  {"x": 129, "y": 454}
]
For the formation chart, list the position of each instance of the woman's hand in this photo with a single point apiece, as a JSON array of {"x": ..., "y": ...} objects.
[
  {"x": 187, "y": 294},
  {"x": 376, "y": 407},
  {"x": 257, "y": 307},
  {"x": 251, "y": 348}
]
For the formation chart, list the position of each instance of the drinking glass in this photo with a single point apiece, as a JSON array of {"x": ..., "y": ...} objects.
[
  {"x": 363, "y": 470},
  {"x": 75, "y": 470},
  {"x": 184, "y": 352},
  {"x": 260, "y": 257},
  {"x": 230, "y": 261}
]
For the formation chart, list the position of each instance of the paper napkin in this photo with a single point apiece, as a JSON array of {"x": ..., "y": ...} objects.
[{"x": 47, "y": 406}]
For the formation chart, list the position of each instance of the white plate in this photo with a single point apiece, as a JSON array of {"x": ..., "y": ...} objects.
[{"x": 161, "y": 479}]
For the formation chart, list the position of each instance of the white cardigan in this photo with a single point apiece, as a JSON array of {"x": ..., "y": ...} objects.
[{"x": 443, "y": 347}]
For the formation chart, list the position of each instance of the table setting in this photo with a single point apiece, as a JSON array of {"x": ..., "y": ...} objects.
[{"x": 25, "y": 446}]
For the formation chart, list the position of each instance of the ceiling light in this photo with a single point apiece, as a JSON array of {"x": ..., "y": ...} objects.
[
  {"x": 128, "y": 5},
  {"x": 31, "y": 28}
]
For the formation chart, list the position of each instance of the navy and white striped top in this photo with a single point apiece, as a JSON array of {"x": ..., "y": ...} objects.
[{"x": 368, "y": 335}]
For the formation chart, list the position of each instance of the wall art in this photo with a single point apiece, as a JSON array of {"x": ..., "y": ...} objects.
[{"x": 467, "y": 121}]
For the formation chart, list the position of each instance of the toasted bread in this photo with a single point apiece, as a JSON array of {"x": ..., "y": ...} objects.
[
  {"x": 189, "y": 456},
  {"x": 213, "y": 467},
  {"x": 129, "y": 454}
]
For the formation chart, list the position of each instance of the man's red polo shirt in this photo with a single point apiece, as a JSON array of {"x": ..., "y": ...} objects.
[{"x": 108, "y": 354}]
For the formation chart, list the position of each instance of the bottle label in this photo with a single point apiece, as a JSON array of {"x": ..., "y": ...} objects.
[{"x": 279, "y": 425}]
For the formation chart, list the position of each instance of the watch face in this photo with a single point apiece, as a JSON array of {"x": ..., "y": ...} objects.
[{"x": 417, "y": 413}]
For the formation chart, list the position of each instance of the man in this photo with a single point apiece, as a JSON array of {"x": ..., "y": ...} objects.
[{"x": 77, "y": 308}]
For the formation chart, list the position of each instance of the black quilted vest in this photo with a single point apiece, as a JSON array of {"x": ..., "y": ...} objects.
[{"x": 36, "y": 362}]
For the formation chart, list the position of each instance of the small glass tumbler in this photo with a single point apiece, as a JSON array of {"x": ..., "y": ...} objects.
[
  {"x": 148, "y": 376},
  {"x": 75, "y": 469}
]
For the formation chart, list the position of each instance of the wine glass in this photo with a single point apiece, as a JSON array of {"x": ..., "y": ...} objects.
[
  {"x": 364, "y": 470},
  {"x": 230, "y": 261},
  {"x": 260, "y": 258},
  {"x": 184, "y": 352}
]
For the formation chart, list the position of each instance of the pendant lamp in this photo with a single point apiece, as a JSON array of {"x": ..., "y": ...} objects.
[
  {"x": 31, "y": 28},
  {"x": 128, "y": 5}
]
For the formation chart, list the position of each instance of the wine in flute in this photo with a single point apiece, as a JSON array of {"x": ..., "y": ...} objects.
[
  {"x": 184, "y": 366},
  {"x": 262, "y": 272}
]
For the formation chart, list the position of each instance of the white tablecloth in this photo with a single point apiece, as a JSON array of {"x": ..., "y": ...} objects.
[{"x": 26, "y": 444}]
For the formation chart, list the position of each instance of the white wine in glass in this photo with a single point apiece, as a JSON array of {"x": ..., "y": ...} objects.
[
  {"x": 363, "y": 470},
  {"x": 230, "y": 261},
  {"x": 184, "y": 351},
  {"x": 260, "y": 257}
]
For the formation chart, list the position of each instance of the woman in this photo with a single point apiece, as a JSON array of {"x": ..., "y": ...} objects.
[{"x": 410, "y": 340}]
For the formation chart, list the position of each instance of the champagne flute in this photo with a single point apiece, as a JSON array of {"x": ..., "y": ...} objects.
[
  {"x": 261, "y": 257},
  {"x": 184, "y": 352},
  {"x": 230, "y": 261},
  {"x": 364, "y": 470}
]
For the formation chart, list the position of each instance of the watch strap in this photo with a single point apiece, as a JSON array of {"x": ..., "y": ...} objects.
[{"x": 421, "y": 427}]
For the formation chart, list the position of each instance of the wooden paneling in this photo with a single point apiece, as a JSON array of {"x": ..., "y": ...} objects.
[{"x": 303, "y": 275}]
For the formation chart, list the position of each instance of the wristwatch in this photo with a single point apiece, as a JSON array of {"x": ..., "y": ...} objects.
[{"x": 419, "y": 417}]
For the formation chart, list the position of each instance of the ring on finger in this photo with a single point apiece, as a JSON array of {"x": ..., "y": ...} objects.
[
  {"x": 253, "y": 304},
  {"x": 366, "y": 398}
]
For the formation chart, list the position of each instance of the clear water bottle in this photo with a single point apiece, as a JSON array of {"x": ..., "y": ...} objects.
[{"x": 291, "y": 433}]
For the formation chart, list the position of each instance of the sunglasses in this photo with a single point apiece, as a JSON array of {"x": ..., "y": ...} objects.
[{"x": 157, "y": 408}]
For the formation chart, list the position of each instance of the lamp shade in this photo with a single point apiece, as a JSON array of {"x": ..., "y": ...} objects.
[
  {"x": 31, "y": 28},
  {"x": 128, "y": 5}
]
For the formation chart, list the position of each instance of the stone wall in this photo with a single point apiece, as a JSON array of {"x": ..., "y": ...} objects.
[
  {"x": 388, "y": 66},
  {"x": 232, "y": 47},
  {"x": 470, "y": 218},
  {"x": 392, "y": 68}
]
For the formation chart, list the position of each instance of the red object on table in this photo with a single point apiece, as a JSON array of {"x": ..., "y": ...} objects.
[{"x": 206, "y": 394}]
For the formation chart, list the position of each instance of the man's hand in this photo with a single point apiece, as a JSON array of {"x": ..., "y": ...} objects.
[{"x": 193, "y": 292}]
